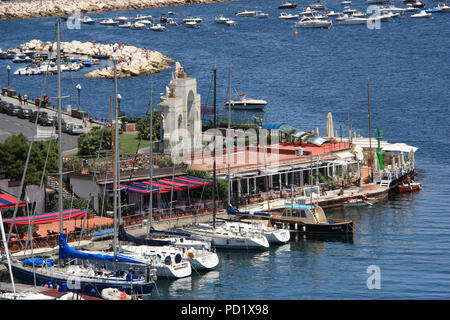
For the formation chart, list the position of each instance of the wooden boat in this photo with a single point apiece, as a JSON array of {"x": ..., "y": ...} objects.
[
  {"x": 309, "y": 219},
  {"x": 413, "y": 186}
]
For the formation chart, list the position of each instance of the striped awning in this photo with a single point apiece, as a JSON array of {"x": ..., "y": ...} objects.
[
  {"x": 50, "y": 217},
  {"x": 7, "y": 201},
  {"x": 164, "y": 185}
]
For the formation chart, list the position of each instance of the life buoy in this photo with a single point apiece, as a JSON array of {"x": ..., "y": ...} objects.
[
  {"x": 191, "y": 254},
  {"x": 123, "y": 296}
]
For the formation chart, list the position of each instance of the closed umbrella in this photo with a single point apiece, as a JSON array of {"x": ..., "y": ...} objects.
[{"x": 330, "y": 130}]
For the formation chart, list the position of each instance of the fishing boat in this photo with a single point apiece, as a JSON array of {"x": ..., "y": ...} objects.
[
  {"x": 285, "y": 15},
  {"x": 241, "y": 101},
  {"x": 412, "y": 186},
  {"x": 308, "y": 22},
  {"x": 309, "y": 219},
  {"x": 421, "y": 14},
  {"x": 287, "y": 5}
]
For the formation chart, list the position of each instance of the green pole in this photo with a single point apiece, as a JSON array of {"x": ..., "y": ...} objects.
[{"x": 379, "y": 154}]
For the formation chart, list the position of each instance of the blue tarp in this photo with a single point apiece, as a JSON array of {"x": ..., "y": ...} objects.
[
  {"x": 273, "y": 126},
  {"x": 37, "y": 262}
]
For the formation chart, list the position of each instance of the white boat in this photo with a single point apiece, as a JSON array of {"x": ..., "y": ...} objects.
[
  {"x": 410, "y": 8},
  {"x": 287, "y": 5},
  {"x": 220, "y": 19},
  {"x": 122, "y": 19},
  {"x": 353, "y": 20},
  {"x": 223, "y": 239},
  {"x": 192, "y": 19},
  {"x": 137, "y": 26},
  {"x": 167, "y": 261},
  {"x": 359, "y": 14},
  {"x": 146, "y": 22},
  {"x": 246, "y": 13},
  {"x": 317, "y": 5},
  {"x": 109, "y": 22},
  {"x": 308, "y": 22},
  {"x": 171, "y": 22},
  {"x": 143, "y": 17},
  {"x": 285, "y": 15},
  {"x": 243, "y": 102},
  {"x": 158, "y": 27},
  {"x": 24, "y": 296},
  {"x": 273, "y": 235},
  {"x": 87, "y": 20},
  {"x": 346, "y": 2},
  {"x": 230, "y": 23},
  {"x": 125, "y": 25},
  {"x": 421, "y": 14},
  {"x": 348, "y": 10},
  {"x": 443, "y": 7},
  {"x": 332, "y": 13},
  {"x": 192, "y": 24},
  {"x": 308, "y": 11},
  {"x": 261, "y": 15}
]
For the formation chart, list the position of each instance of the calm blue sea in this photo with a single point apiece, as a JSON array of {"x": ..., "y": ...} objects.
[{"x": 303, "y": 77}]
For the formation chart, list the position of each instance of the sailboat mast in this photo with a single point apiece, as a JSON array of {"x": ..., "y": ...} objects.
[
  {"x": 370, "y": 131},
  {"x": 150, "y": 213},
  {"x": 60, "y": 176},
  {"x": 116, "y": 142},
  {"x": 5, "y": 245},
  {"x": 214, "y": 154},
  {"x": 229, "y": 143}
]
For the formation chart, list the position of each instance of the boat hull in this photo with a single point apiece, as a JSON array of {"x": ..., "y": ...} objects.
[
  {"x": 334, "y": 226},
  {"x": 85, "y": 286},
  {"x": 411, "y": 188}
]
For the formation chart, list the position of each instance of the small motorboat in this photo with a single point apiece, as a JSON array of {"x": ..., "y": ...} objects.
[
  {"x": 243, "y": 102},
  {"x": 109, "y": 22},
  {"x": 412, "y": 186},
  {"x": 137, "y": 26},
  {"x": 352, "y": 20},
  {"x": 317, "y": 5},
  {"x": 246, "y": 13},
  {"x": 287, "y": 5},
  {"x": 348, "y": 10},
  {"x": 308, "y": 11},
  {"x": 308, "y": 22},
  {"x": 358, "y": 202},
  {"x": 192, "y": 24},
  {"x": 346, "y": 2},
  {"x": 87, "y": 20},
  {"x": 171, "y": 22},
  {"x": 192, "y": 19},
  {"x": 285, "y": 15},
  {"x": 443, "y": 7},
  {"x": 146, "y": 22},
  {"x": 418, "y": 4},
  {"x": 261, "y": 15},
  {"x": 143, "y": 17},
  {"x": 421, "y": 14},
  {"x": 230, "y": 23},
  {"x": 125, "y": 25},
  {"x": 122, "y": 19},
  {"x": 332, "y": 13},
  {"x": 157, "y": 27},
  {"x": 220, "y": 19}
]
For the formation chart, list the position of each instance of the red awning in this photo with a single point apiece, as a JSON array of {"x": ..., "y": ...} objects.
[
  {"x": 47, "y": 217},
  {"x": 7, "y": 201}
]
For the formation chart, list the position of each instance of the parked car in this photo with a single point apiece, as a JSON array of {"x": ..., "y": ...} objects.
[
  {"x": 76, "y": 128},
  {"x": 48, "y": 120},
  {"x": 63, "y": 124},
  {"x": 35, "y": 114},
  {"x": 13, "y": 110},
  {"x": 3, "y": 105},
  {"x": 25, "y": 113}
]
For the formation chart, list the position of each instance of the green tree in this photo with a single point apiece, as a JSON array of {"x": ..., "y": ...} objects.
[
  {"x": 13, "y": 155},
  {"x": 143, "y": 126},
  {"x": 89, "y": 143}
]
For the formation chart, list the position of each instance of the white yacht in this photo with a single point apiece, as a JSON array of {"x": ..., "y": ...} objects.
[
  {"x": 349, "y": 20},
  {"x": 168, "y": 261},
  {"x": 308, "y": 11},
  {"x": 285, "y": 15},
  {"x": 307, "y": 22},
  {"x": 224, "y": 239},
  {"x": 273, "y": 235},
  {"x": 317, "y": 5},
  {"x": 243, "y": 102}
]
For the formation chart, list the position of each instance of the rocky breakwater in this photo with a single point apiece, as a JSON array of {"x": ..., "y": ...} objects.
[
  {"x": 131, "y": 61},
  {"x": 46, "y": 8}
]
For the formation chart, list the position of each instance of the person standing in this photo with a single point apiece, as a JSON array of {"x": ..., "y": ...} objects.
[{"x": 20, "y": 99}]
